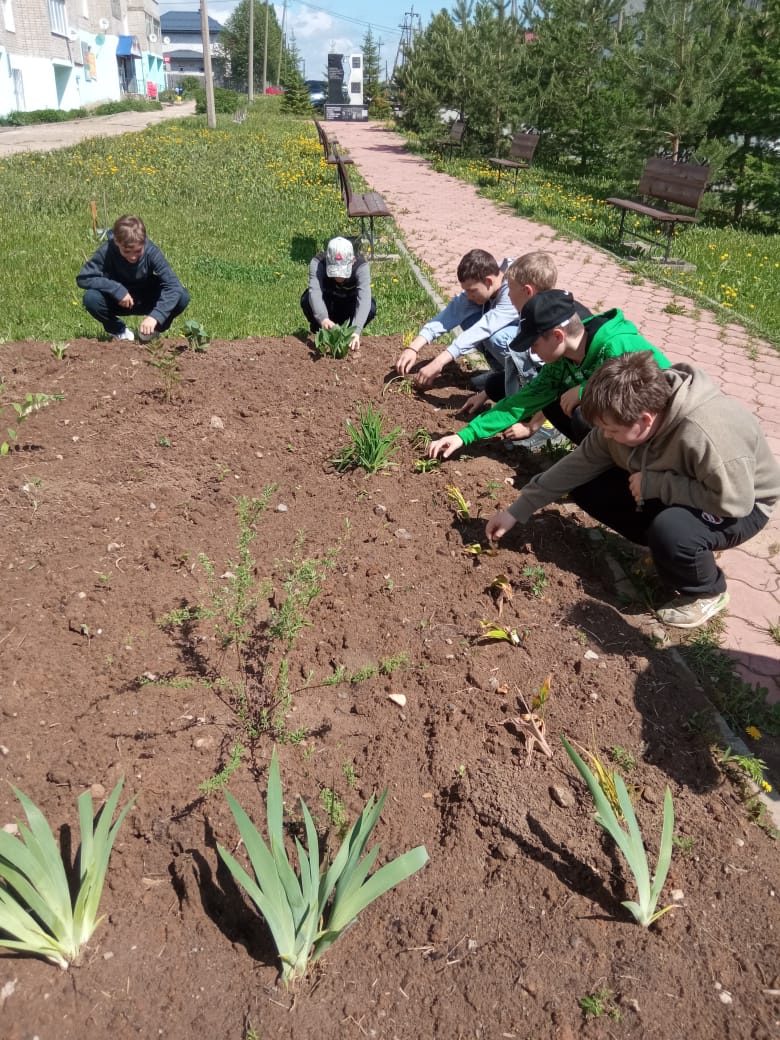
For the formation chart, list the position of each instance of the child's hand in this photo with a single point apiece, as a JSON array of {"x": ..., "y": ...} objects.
[
  {"x": 406, "y": 360},
  {"x": 498, "y": 525},
  {"x": 354, "y": 342},
  {"x": 147, "y": 327},
  {"x": 327, "y": 324},
  {"x": 570, "y": 400},
  {"x": 516, "y": 432},
  {"x": 126, "y": 301},
  {"x": 444, "y": 446},
  {"x": 428, "y": 373},
  {"x": 635, "y": 486},
  {"x": 474, "y": 403}
]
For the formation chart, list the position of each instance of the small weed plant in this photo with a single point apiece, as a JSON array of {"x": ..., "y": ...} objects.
[
  {"x": 165, "y": 361},
  {"x": 37, "y": 910},
  {"x": 370, "y": 447},
  {"x": 537, "y": 580},
  {"x": 197, "y": 338},
  {"x": 23, "y": 410},
  {"x": 629, "y": 841},
  {"x": 335, "y": 810},
  {"x": 59, "y": 350},
  {"x": 307, "y": 912},
  {"x": 220, "y": 779},
  {"x": 599, "y": 1003},
  {"x": 426, "y": 465},
  {"x": 334, "y": 342}
]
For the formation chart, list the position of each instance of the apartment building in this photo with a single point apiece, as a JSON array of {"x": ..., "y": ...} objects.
[{"x": 66, "y": 54}]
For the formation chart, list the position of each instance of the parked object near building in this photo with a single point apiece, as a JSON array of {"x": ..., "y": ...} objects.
[
  {"x": 345, "y": 93},
  {"x": 64, "y": 57}
]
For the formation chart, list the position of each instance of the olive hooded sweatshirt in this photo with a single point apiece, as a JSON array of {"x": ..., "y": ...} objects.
[{"x": 707, "y": 452}]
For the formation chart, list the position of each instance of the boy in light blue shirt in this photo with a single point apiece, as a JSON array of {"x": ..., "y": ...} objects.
[{"x": 484, "y": 312}]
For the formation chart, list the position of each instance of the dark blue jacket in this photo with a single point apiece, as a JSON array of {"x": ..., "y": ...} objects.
[{"x": 150, "y": 282}]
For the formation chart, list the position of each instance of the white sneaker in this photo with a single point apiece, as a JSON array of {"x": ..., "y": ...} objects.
[
  {"x": 125, "y": 334},
  {"x": 687, "y": 612}
]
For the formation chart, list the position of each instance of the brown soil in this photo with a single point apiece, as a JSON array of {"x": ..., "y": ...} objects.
[{"x": 517, "y": 915}]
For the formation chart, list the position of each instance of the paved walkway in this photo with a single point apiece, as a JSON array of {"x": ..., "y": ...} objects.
[
  {"x": 46, "y": 137},
  {"x": 442, "y": 218}
]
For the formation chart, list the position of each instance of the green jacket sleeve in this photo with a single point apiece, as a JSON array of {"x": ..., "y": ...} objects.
[{"x": 541, "y": 391}]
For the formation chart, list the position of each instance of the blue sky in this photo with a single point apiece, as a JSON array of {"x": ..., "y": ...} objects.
[{"x": 332, "y": 25}]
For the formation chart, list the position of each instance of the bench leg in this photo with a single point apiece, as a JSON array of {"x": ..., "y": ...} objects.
[
  {"x": 370, "y": 235},
  {"x": 669, "y": 234},
  {"x": 622, "y": 222},
  {"x": 514, "y": 186}
]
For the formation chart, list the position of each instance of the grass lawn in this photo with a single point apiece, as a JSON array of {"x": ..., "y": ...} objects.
[{"x": 239, "y": 211}]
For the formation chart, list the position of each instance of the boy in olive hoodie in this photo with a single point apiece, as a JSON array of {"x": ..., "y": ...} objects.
[
  {"x": 572, "y": 350},
  {"x": 671, "y": 463}
]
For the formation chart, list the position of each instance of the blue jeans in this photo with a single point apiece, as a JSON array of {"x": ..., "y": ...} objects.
[{"x": 103, "y": 307}]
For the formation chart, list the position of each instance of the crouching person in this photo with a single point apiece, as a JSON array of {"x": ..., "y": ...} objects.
[
  {"x": 129, "y": 274},
  {"x": 339, "y": 290},
  {"x": 673, "y": 464}
]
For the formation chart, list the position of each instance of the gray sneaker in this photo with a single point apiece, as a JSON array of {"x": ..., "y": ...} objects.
[
  {"x": 535, "y": 443},
  {"x": 687, "y": 612}
]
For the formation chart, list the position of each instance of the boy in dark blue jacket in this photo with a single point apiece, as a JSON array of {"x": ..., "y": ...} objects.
[{"x": 129, "y": 275}]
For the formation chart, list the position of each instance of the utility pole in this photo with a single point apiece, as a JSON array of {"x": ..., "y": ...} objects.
[
  {"x": 211, "y": 115},
  {"x": 281, "y": 46},
  {"x": 265, "y": 49},
  {"x": 251, "y": 58}
]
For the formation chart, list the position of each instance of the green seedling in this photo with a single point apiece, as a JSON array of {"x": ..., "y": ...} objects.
[
  {"x": 748, "y": 765},
  {"x": 371, "y": 449},
  {"x": 629, "y": 841},
  {"x": 334, "y": 342},
  {"x": 335, "y": 810},
  {"x": 623, "y": 758},
  {"x": 492, "y": 631},
  {"x": 306, "y": 914},
  {"x": 399, "y": 385},
  {"x": 388, "y": 665},
  {"x": 774, "y": 630},
  {"x": 197, "y": 337},
  {"x": 594, "y": 1005},
  {"x": 349, "y": 773},
  {"x": 37, "y": 910},
  {"x": 684, "y": 845},
  {"x": 163, "y": 442},
  {"x": 24, "y": 409},
  {"x": 58, "y": 350},
  {"x": 537, "y": 579},
  {"x": 462, "y": 507},
  {"x": 420, "y": 439},
  {"x": 425, "y": 465},
  {"x": 219, "y": 780}
]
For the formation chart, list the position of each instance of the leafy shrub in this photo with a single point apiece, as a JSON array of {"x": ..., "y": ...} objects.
[
  {"x": 225, "y": 101},
  {"x": 334, "y": 342}
]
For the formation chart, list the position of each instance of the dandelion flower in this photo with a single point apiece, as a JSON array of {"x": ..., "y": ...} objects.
[{"x": 754, "y": 732}]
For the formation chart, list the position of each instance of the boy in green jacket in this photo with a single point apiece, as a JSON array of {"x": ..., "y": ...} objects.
[
  {"x": 671, "y": 463},
  {"x": 571, "y": 349}
]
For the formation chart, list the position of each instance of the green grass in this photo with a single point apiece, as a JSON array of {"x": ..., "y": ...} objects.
[
  {"x": 239, "y": 211},
  {"x": 736, "y": 271}
]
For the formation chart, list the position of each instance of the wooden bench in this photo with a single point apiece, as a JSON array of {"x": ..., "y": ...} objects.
[
  {"x": 454, "y": 140},
  {"x": 679, "y": 183},
  {"x": 521, "y": 152},
  {"x": 367, "y": 205},
  {"x": 330, "y": 145}
]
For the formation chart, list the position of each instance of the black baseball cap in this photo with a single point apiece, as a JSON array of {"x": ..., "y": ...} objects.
[{"x": 544, "y": 311}]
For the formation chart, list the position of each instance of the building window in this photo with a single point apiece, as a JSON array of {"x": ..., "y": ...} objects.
[
  {"x": 116, "y": 9},
  {"x": 355, "y": 61},
  {"x": 355, "y": 88},
  {"x": 58, "y": 17}
]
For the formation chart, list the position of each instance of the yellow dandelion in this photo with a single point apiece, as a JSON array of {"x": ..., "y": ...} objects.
[{"x": 754, "y": 732}]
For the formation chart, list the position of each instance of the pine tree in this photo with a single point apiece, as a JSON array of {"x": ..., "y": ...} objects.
[{"x": 296, "y": 94}]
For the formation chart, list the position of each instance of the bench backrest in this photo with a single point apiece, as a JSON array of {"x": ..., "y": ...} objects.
[
  {"x": 671, "y": 181},
  {"x": 457, "y": 130},
  {"x": 346, "y": 187},
  {"x": 523, "y": 147}
]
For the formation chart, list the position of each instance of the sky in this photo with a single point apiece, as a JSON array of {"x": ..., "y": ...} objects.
[{"x": 332, "y": 25}]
